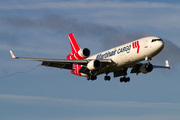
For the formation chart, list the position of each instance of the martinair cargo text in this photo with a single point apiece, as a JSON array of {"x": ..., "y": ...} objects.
[{"x": 116, "y": 60}]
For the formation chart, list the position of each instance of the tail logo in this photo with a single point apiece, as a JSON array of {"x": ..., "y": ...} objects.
[{"x": 136, "y": 45}]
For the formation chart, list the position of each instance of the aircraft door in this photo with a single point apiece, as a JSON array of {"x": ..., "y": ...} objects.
[
  {"x": 147, "y": 48},
  {"x": 146, "y": 45}
]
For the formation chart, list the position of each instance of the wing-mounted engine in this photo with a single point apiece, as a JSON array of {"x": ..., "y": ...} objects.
[
  {"x": 144, "y": 68},
  {"x": 81, "y": 54},
  {"x": 94, "y": 64}
]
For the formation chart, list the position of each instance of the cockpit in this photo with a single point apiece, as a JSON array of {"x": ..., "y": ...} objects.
[{"x": 154, "y": 40}]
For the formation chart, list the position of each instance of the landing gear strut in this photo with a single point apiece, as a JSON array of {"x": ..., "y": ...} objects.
[
  {"x": 148, "y": 60},
  {"x": 124, "y": 79},
  {"x": 91, "y": 77}
]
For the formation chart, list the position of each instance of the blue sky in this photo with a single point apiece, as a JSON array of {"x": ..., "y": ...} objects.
[{"x": 39, "y": 28}]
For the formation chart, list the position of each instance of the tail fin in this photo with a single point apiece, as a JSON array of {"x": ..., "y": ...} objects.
[
  {"x": 74, "y": 45},
  {"x": 77, "y": 52}
]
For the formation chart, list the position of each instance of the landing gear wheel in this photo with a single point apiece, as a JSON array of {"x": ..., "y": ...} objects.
[
  {"x": 107, "y": 78},
  {"x": 121, "y": 79},
  {"x": 124, "y": 79},
  {"x": 93, "y": 77},
  {"x": 128, "y": 79}
]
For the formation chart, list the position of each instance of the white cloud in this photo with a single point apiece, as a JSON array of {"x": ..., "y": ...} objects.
[
  {"x": 126, "y": 14},
  {"x": 142, "y": 117},
  {"x": 50, "y": 51},
  {"x": 35, "y": 100},
  {"x": 57, "y": 102},
  {"x": 89, "y": 5}
]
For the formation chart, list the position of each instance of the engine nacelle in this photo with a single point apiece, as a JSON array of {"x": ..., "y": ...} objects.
[
  {"x": 94, "y": 64},
  {"x": 146, "y": 68},
  {"x": 81, "y": 54},
  {"x": 85, "y": 52}
]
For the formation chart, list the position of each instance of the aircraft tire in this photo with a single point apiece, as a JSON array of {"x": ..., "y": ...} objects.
[
  {"x": 124, "y": 79},
  {"x": 93, "y": 77},
  {"x": 108, "y": 78},
  {"x": 105, "y": 78},
  {"x": 128, "y": 79},
  {"x": 121, "y": 79}
]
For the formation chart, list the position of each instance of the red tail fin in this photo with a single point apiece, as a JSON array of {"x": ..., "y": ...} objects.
[
  {"x": 74, "y": 45},
  {"x": 77, "y": 53}
]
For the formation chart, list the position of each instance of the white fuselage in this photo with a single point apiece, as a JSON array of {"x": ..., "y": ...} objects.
[{"x": 128, "y": 54}]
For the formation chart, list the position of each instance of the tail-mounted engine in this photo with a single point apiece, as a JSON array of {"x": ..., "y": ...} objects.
[
  {"x": 94, "y": 64},
  {"x": 81, "y": 54},
  {"x": 146, "y": 68}
]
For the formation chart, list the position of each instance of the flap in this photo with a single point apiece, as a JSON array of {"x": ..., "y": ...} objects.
[{"x": 57, "y": 65}]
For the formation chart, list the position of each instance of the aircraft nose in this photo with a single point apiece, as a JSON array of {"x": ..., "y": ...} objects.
[
  {"x": 157, "y": 46},
  {"x": 161, "y": 44}
]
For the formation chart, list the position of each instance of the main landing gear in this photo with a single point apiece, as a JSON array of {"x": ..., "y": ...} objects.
[
  {"x": 124, "y": 79},
  {"x": 107, "y": 78},
  {"x": 92, "y": 77}
]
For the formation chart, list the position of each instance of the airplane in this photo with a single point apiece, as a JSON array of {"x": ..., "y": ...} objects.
[{"x": 116, "y": 60}]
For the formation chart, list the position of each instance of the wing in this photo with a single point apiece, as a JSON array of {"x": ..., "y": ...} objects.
[
  {"x": 137, "y": 67},
  {"x": 60, "y": 63}
]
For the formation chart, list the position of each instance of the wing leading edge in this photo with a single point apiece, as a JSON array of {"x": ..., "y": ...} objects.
[{"x": 60, "y": 63}]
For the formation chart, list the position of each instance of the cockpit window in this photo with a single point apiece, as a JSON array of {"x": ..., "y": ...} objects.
[{"x": 156, "y": 40}]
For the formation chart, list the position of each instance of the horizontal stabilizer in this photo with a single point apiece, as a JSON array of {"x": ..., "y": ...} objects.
[{"x": 166, "y": 65}]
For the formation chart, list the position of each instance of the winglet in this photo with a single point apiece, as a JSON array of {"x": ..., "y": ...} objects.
[
  {"x": 12, "y": 55},
  {"x": 167, "y": 64}
]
